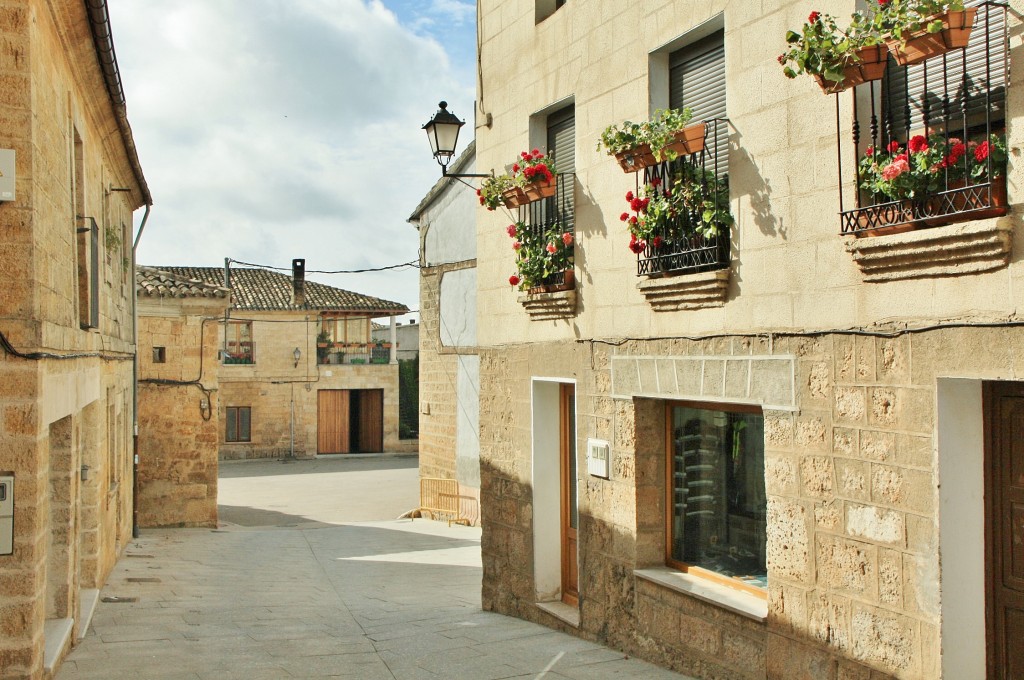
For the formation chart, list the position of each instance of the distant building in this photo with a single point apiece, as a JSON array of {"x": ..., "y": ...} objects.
[
  {"x": 449, "y": 363},
  {"x": 407, "y": 334},
  {"x": 70, "y": 180},
  {"x": 179, "y": 414},
  {"x": 300, "y": 372}
]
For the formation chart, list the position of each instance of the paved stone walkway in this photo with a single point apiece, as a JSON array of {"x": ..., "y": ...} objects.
[{"x": 312, "y": 597}]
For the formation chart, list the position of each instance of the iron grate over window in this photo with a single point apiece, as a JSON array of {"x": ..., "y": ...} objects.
[
  {"x": 678, "y": 246},
  {"x": 550, "y": 215},
  {"x": 950, "y": 103}
]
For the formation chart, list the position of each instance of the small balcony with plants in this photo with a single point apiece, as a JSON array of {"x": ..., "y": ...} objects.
[
  {"x": 678, "y": 217},
  {"x": 332, "y": 353},
  {"x": 539, "y": 200},
  {"x": 927, "y": 146}
]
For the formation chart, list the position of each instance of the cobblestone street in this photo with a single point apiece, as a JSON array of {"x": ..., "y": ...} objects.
[{"x": 291, "y": 586}]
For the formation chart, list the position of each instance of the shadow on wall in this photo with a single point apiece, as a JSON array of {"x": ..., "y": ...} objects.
[{"x": 679, "y": 631}]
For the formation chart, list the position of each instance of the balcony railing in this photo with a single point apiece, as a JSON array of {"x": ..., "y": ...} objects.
[
  {"x": 958, "y": 97},
  {"x": 679, "y": 246},
  {"x": 353, "y": 354},
  {"x": 544, "y": 215},
  {"x": 239, "y": 354}
]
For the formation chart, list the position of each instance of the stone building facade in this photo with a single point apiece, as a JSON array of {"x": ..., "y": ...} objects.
[
  {"x": 179, "y": 426},
  {"x": 859, "y": 396},
  {"x": 449, "y": 364},
  {"x": 286, "y": 390},
  {"x": 66, "y": 325}
]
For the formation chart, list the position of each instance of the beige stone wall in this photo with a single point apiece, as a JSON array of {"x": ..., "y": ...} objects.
[
  {"x": 274, "y": 385},
  {"x": 790, "y": 269},
  {"x": 179, "y": 424},
  {"x": 60, "y": 415},
  {"x": 852, "y": 482},
  {"x": 438, "y": 370}
]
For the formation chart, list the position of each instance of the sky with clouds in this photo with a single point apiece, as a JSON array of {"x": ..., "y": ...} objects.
[{"x": 274, "y": 129}]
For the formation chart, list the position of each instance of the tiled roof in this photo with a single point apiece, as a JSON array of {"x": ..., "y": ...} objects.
[
  {"x": 153, "y": 282},
  {"x": 265, "y": 290}
]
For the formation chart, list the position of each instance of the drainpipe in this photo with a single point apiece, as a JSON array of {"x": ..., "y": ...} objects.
[
  {"x": 135, "y": 381},
  {"x": 394, "y": 343}
]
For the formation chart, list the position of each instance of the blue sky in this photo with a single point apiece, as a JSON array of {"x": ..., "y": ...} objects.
[{"x": 273, "y": 129}]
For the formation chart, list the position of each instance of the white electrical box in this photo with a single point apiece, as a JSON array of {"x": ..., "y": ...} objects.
[
  {"x": 598, "y": 458},
  {"x": 6, "y": 174},
  {"x": 6, "y": 515}
]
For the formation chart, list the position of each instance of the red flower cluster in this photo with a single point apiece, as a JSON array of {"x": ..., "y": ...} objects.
[
  {"x": 917, "y": 143},
  {"x": 534, "y": 166},
  {"x": 893, "y": 147},
  {"x": 637, "y": 246},
  {"x": 511, "y": 230},
  {"x": 514, "y": 280},
  {"x": 982, "y": 151},
  {"x": 813, "y": 17}
]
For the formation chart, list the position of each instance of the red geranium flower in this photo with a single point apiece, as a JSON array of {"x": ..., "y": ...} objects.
[
  {"x": 657, "y": 241},
  {"x": 629, "y": 195},
  {"x": 982, "y": 151},
  {"x": 516, "y": 245},
  {"x": 656, "y": 181},
  {"x": 511, "y": 230},
  {"x": 515, "y": 167},
  {"x": 637, "y": 204},
  {"x": 813, "y": 17},
  {"x": 514, "y": 280},
  {"x": 917, "y": 143},
  {"x": 870, "y": 151},
  {"x": 624, "y": 216},
  {"x": 567, "y": 238},
  {"x": 893, "y": 147}
]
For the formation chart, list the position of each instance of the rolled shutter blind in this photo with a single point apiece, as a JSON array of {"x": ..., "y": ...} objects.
[
  {"x": 562, "y": 147},
  {"x": 697, "y": 81},
  {"x": 911, "y": 90}
]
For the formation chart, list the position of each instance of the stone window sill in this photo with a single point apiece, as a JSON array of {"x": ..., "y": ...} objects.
[
  {"x": 562, "y": 612},
  {"x": 717, "y": 594},
  {"x": 547, "y": 306},
  {"x": 683, "y": 292}
]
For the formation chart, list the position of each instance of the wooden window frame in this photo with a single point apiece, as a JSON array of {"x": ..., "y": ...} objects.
[
  {"x": 671, "y": 562},
  {"x": 233, "y": 413}
]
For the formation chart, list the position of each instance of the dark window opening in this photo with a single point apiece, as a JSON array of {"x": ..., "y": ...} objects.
[
  {"x": 159, "y": 355},
  {"x": 237, "y": 424}
]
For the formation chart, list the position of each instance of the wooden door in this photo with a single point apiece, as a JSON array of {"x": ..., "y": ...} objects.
[
  {"x": 332, "y": 421},
  {"x": 570, "y": 513},
  {"x": 1004, "y": 515},
  {"x": 370, "y": 418}
]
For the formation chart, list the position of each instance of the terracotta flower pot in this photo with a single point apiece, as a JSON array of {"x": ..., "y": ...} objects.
[
  {"x": 514, "y": 197},
  {"x": 914, "y": 48},
  {"x": 539, "y": 189},
  {"x": 688, "y": 140},
  {"x": 635, "y": 159},
  {"x": 870, "y": 66}
]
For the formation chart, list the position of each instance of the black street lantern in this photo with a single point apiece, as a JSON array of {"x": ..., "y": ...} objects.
[{"x": 443, "y": 133}]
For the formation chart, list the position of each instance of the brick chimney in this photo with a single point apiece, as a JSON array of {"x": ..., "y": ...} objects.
[{"x": 298, "y": 282}]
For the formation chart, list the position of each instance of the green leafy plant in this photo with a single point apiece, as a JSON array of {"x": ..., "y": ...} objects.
[
  {"x": 540, "y": 253},
  {"x": 823, "y": 49},
  {"x": 696, "y": 203},
  {"x": 491, "y": 190},
  {"x": 657, "y": 133},
  {"x": 990, "y": 153},
  {"x": 914, "y": 170},
  {"x": 111, "y": 238},
  {"x": 901, "y": 18}
]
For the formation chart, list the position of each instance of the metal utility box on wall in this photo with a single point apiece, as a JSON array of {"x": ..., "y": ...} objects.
[
  {"x": 6, "y": 515},
  {"x": 598, "y": 458},
  {"x": 6, "y": 174}
]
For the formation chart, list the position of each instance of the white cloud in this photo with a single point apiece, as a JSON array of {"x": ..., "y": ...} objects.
[{"x": 274, "y": 129}]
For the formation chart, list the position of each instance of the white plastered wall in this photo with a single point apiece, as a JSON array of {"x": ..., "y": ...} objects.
[
  {"x": 547, "y": 539},
  {"x": 961, "y": 453}
]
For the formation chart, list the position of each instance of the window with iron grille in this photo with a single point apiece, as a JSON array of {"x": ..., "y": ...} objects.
[
  {"x": 552, "y": 217},
  {"x": 238, "y": 420},
  {"x": 695, "y": 239},
  {"x": 947, "y": 106}
]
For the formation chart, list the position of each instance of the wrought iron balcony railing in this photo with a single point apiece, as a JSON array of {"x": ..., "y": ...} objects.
[
  {"x": 547, "y": 215},
  {"x": 682, "y": 244},
  {"x": 955, "y": 99}
]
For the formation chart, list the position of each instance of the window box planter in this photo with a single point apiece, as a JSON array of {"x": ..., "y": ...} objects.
[
  {"x": 870, "y": 67},
  {"x": 687, "y": 141},
  {"x": 540, "y": 189},
  {"x": 636, "y": 158},
  {"x": 556, "y": 282},
  {"x": 514, "y": 197},
  {"x": 914, "y": 48}
]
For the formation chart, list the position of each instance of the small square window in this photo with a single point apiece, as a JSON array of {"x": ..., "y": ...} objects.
[{"x": 159, "y": 355}]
